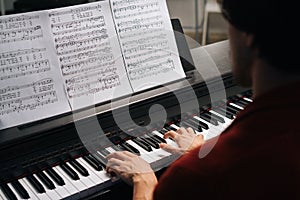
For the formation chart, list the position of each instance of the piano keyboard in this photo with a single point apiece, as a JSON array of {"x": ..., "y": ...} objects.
[{"x": 85, "y": 175}]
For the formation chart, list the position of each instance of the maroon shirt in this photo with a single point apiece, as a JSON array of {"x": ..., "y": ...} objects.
[{"x": 256, "y": 157}]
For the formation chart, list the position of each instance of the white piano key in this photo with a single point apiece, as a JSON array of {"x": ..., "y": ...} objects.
[
  {"x": 174, "y": 126},
  {"x": 212, "y": 129},
  {"x": 76, "y": 183},
  {"x": 51, "y": 193},
  {"x": 170, "y": 142},
  {"x": 68, "y": 185},
  {"x": 247, "y": 99},
  {"x": 93, "y": 175},
  {"x": 204, "y": 121},
  {"x": 237, "y": 106},
  {"x": 197, "y": 132},
  {"x": 85, "y": 180},
  {"x": 39, "y": 195},
  {"x": 30, "y": 191},
  {"x": 110, "y": 150},
  {"x": 152, "y": 156},
  {"x": 105, "y": 176},
  {"x": 61, "y": 191},
  {"x": 227, "y": 121},
  {"x": 14, "y": 191},
  {"x": 2, "y": 195},
  {"x": 143, "y": 152}
]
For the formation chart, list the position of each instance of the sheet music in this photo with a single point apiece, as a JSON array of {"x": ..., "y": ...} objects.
[
  {"x": 30, "y": 87},
  {"x": 64, "y": 59},
  {"x": 89, "y": 54},
  {"x": 147, "y": 41}
]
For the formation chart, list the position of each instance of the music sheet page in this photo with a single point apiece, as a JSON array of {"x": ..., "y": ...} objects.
[
  {"x": 89, "y": 54},
  {"x": 147, "y": 41},
  {"x": 30, "y": 86}
]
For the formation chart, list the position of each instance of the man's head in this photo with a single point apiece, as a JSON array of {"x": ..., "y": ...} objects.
[{"x": 261, "y": 29}]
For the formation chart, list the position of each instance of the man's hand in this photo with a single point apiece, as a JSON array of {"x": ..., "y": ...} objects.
[
  {"x": 128, "y": 166},
  {"x": 134, "y": 171},
  {"x": 186, "y": 140}
]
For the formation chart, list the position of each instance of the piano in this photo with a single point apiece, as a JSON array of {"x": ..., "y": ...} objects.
[{"x": 63, "y": 157}]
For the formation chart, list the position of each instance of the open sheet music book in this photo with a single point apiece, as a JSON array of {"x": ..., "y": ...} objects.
[{"x": 60, "y": 60}]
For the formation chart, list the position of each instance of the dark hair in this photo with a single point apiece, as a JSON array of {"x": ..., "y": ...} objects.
[{"x": 273, "y": 24}]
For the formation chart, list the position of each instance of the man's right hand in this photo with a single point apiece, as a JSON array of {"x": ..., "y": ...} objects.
[{"x": 186, "y": 140}]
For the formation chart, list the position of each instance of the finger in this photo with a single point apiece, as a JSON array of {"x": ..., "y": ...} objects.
[
  {"x": 114, "y": 173},
  {"x": 169, "y": 148},
  {"x": 181, "y": 130},
  {"x": 118, "y": 154},
  {"x": 171, "y": 134},
  {"x": 190, "y": 130},
  {"x": 113, "y": 162},
  {"x": 129, "y": 154},
  {"x": 200, "y": 136}
]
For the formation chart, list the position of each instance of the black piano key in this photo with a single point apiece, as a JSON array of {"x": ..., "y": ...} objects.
[
  {"x": 56, "y": 177},
  {"x": 154, "y": 139},
  {"x": 177, "y": 123},
  {"x": 193, "y": 126},
  {"x": 245, "y": 102},
  {"x": 208, "y": 118},
  {"x": 238, "y": 100},
  {"x": 233, "y": 108},
  {"x": 101, "y": 158},
  {"x": 117, "y": 147},
  {"x": 198, "y": 123},
  {"x": 79, "y": 168},
  {"x": 233, "y": 98},
  {"x": 93, "y": 162},
  {"x": 44, "y": 178},
  {"x": 172, "y": 128},
  {"x": 8, "y": 192},
  {"x": 97, "y": 160},
  {"x": 130, "y": 148},
  {"x": 189, "y": 125},
  {"x": 248, "y": 94},
  {"x": 142, "y": 144},
  {"x": 151, "y": 142},
  {"x": 36, "y": 184},
  {"x": 216, "y": 117},
  {"x": 229, "y": 108},
  {"x": 104, "y": 152},
  {"x": 223, "y": 111},
  {"x": 164, "y": 130},
  {"x": 158, "y": 139},
  {"x": 168, "y": 128},
  {"x": 20, "y": 189},
  {"x": 71, "y": 173},
  {"x": 240, "y": 103}
]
